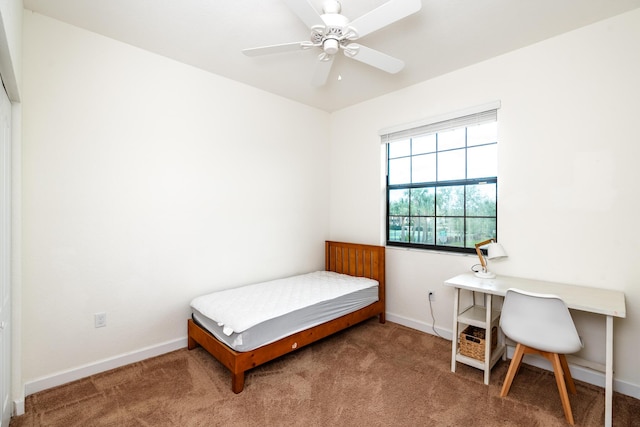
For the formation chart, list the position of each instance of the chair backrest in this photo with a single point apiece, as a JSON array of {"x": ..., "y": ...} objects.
[{"x": 539, "y": 321}]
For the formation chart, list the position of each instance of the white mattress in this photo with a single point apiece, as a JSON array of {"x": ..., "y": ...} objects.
[{"x": 248, "y": 317}]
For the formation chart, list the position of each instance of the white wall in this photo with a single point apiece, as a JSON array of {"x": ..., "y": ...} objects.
[
  {"x": 568, "y": 176},
  {"x": 146, "y": 183}
]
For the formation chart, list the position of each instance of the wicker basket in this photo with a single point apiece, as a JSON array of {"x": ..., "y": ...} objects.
[{"x": 472, "y": 342}]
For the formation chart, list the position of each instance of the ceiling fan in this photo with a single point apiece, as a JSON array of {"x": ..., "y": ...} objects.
[{"x": 332, "y": 32}]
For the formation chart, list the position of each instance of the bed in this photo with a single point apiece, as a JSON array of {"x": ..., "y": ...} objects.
[{"x": 360, "y": 261}]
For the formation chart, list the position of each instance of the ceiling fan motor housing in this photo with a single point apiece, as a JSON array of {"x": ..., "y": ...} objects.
[{"x": 332, "y": 35}]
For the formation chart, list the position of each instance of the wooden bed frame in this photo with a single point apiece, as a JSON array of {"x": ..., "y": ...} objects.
[{"x": 346, "y": 258}]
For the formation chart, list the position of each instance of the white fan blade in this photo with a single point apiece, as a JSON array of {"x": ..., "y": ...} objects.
[
  {"x": 277, "y": 48},
  {"x": 322, "y": 71},
  {"x": 374, "y": 58},
  {"x": 386, "y": 14},
  {"x": 306, "y": 12}
]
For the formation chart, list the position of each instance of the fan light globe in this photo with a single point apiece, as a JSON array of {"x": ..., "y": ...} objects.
[{"x": 331, "y": 46}]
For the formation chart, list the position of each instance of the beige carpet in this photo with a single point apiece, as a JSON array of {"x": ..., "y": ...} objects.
[{"x": 371, "y": 374}]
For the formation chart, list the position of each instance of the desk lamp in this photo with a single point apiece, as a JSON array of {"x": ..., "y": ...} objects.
[{"x": 494, "y": 250}]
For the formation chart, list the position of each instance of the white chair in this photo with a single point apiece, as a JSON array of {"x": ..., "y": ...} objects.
[{"x": 540, "y": 324}]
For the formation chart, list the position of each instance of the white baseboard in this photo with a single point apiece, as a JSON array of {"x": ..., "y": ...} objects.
[
  {"x": 626, "y": 388},
  {"x": 18, "y": 407},
  {"x": 419, "y": 326},
  {"x": 580, "y": 373},
  {"x": 97, "y": 367}
]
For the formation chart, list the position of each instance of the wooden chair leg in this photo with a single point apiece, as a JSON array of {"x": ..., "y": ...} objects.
[
  {"x": 562, "y": 387},
  {"x": 560, "y": 370},
  {"x": 567, "y": 374},
  {"x": 513, "y": 369}
]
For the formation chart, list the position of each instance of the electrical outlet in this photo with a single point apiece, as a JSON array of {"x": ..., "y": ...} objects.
[
  {"x": 432, "y": 296},
  {"x": 100, "y": 320}
]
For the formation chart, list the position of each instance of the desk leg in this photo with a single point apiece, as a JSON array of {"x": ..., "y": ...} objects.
[
  {"x": 487, "y": 341},
  {"x": 454, "y": 340},
  {"x": 608, "y": 386}
]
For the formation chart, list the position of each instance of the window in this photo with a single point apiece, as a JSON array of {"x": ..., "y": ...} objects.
[{"x": 442, "y": 183}]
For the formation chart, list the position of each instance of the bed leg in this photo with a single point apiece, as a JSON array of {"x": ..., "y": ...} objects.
[
  {"x": 191, "y": 343},
  {"x": 237, "y": 382},
  {"x": 382, "y": 318}
]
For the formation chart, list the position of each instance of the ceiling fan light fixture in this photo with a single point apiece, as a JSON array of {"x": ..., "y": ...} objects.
[{"x": 331, "y": 46}]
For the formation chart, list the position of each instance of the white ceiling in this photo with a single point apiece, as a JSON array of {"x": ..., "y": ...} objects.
[{"x": 444, "y": 36}]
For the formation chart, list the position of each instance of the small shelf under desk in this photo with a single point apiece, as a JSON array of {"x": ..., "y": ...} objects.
[{"x": 476, "y": 315}]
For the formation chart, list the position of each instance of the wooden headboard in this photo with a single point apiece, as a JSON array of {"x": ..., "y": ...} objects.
[{"x": 357, "y": 260}]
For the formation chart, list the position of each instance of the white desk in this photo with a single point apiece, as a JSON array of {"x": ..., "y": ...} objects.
[{"x": 609, "y": 303}]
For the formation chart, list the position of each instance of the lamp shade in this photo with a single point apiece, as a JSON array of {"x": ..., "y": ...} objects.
[{"x": 495, "y": 250}]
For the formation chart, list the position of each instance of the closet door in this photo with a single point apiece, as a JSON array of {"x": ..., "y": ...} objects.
[{"x": 5, "y": 257}]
